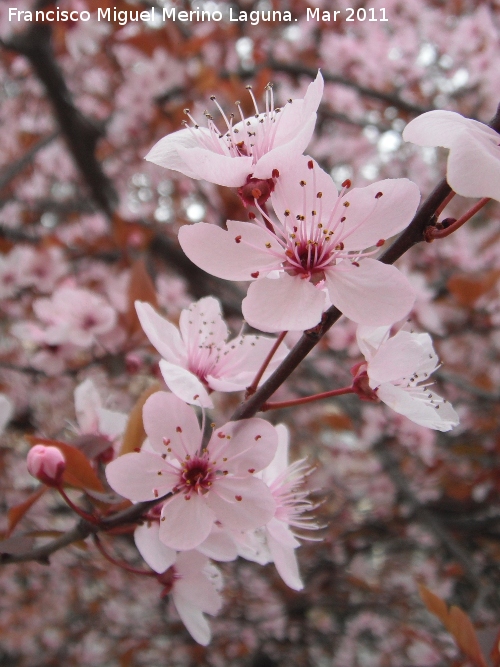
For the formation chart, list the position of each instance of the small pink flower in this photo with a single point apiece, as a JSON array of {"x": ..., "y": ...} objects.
[
  {"x": 314, "y": 254},
  {"x": 47, "y": 464},
  {"x": 6, "y": 411},
  {"x": 215, "y": 483},
  {"x": 397, "y": 371},
  {"x": 248, "y": 153},
  {"x": 197, "y": 359},
  {"x": 474, "y": 161}
]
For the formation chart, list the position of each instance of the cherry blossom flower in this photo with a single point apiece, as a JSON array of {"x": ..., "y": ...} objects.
[
  {"x": 197, "y": 359},
  {"x": 249, "y": 152},
  {"x": 284, "y": 481},
  {"x": 473, "y": 168},
  {"x": 74, "y": 315},
  {"x": 215, "y": 483},
  {"x": 47, "y": 464},
  {"x": 396, "y": 366},
  {"x": 99, "y": 429},
  {"x": 313, "y": 255}
]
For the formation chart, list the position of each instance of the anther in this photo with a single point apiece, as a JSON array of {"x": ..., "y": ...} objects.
[
  {"x": 346, "y": 204},
  {"x": 287, "y": 213},
  {"x": 380, "y": 243},
  {"x": 378, "y": 195},
  {"x": 275, "y": 173},
  {"x": 310, "y": 164},
  {"x": 251, "y": 215},
  {"x": 238, "y": 239},
  {"x": 347, "y": 183},
  {"x": 319, "y": 195},
  {"x": 302, "y": 183},
  {"x": 255, "y": 274}
]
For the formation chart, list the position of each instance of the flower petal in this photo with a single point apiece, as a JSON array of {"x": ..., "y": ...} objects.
[
  {"x": 198, "y": 582},
  {"x": 249, "y": 444},
  {"x": 147, "y": 540},
  {"x": 164, "y": 152},
  {"x": 232, "y": 255},
  {"x": 372, "y": 293},
  {"x": 439, "y": 128},
  {"x": 185, "y": 385},
  {"x": 202, "y": 324},
  {"x": 241, "y": 504},
  {"x": 399, "y": 357},
  {"x": 185, "y": 524},
  {"x": 286, "y": 563},
  {"x": 215, "y": 168},
  {"x": 162, "y": 334},
  {"x": 287, "y": 304},
  {"x": 442, "y": 418},
  {"x": 368, "y": 218},
  {"x": 482, "y": 151},
  {"x": 135, "y": 476},
  {"x": 166, "y": 416},
  {"x": 219, "y": 545},
  {"x": 192, "y": 617},
  {"x": 280, "y": 461}
]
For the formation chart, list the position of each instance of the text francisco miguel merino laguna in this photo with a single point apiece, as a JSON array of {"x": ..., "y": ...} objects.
[{"x": 169, "y": 13}]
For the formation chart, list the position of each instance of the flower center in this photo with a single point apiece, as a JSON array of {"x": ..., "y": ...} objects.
[{"x": 196, "y": 476}]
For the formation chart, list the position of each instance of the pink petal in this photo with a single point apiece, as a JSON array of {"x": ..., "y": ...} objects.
[
  {"x": 135, "y": 476},
  {"x": 398, "y": 357},
  {"x": 287, "y": 304},
  {"x": 155, "y": 553},
  {"x": 111, "y": 423},
  {"x": 280, "y": 461},
  {"x": 369, "y": 219},
  {"x": 418, "y": 410},
  {"x": 254, "y": 510},
  {"x": 369, "y": 339},
  {"x": 196, "y": 624},
  {"x": 217, "y": 252},
  {"x": 219, "y": 545},
  {"x": 280, "y": 157},
  {"x": 167, "y": 417},
  {"x": 251, "y": 445},
  {"x": 185, "y": 385},
  {"x": 165, "y": 152},
  {"x": 163, "y": 335},
  {"x": 87, "y": 404},
  {"x": 474, "y": 165},
  {"x": 372, "y": 293},
  {"x": 286, "y": 563},
  {"x": 437, "y": 128},
  {"x": 202, "y": 324},
  {"x": 198, "y": 581},
  {"x": 313, "y": 95},
  {"x": 291, "y": 196},
  {"x": 185, "y": 524},
  {"x": 215, "y": 168}
]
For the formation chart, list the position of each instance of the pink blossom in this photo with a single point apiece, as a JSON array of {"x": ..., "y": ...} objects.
[
  {"x": 254, "y": 148},
  {"x": 47, "y": 464},
  {"x": 197, "y": 359},
  {"x": 395, "y": 368},
  {"x": 284, "y": 481},
  {"x": 314, "y": 254},
  {"x": 75, "y": 316},
  {"x": 215, "y": 483},
  {"x": 473, "y": 168}
]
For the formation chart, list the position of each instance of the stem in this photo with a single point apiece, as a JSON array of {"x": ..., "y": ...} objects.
[
  {"x": 445, "y": 203},
  {"x": 435, "y": 233},
  {"x": 124, "y": 566},
  {"x": 84, "y": 515},
  {"x": 307, "y": 399},
  {"x": 253, "y": 387}
]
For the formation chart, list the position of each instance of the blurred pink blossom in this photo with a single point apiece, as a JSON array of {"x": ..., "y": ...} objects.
[{"x": 47, "y": 464}]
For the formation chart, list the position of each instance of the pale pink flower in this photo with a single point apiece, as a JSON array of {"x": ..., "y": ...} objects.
[
  {"x": 398, "y": 369},
  {"x": 74, "y": 315},
  {"x": 47, "y": 464},
  {"x": 284, "y": 481},
  {"x": 215, "y": 483},
  {"x": 251, "y": 150},
  {"x": 314, "y": 255},
  {"x": 473, "y": 168},
  {"x": 196, "y": 357},
  {"x": 99, "y": 429}
]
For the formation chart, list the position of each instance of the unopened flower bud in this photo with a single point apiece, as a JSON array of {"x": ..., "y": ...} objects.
[{"x": 47, "y": 464}]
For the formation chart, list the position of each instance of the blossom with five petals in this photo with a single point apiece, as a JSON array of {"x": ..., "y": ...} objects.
[
  {"x": 254, "y": 148},
  {"x": 314, "y": 253},
  {"x": 215, "y": 483},
  {"x": 197, "y": 359},
  {"x": 473, "y": 168},
  {"x": 395, "y": 368}
]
